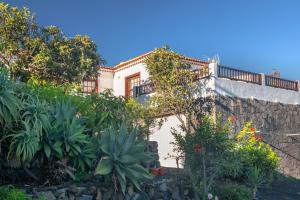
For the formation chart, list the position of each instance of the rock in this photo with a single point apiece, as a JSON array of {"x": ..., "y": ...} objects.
[
  {"x": 186, "y": 192},
  {"x": 127, "y": 197},
  {"x": 99, "y": 195},
  {"x": 151, "y": 192},
  {"x": 76, "y": 190},
  {"x": 85, "y": 197},
  {"x": 71, "y": 196},
  {"x": 61, "y": 194},
  {"x": 48, "y": 195},
  {"x": 130, "y": 190},
  {"x": 72, "y": 189},
  {"x": 108, "y": 194},
  {"x": 140, "y": 196},
  {"x": 163, "y": 187},
  {"x": 80, "y": 190},
  {"x": 92, "y": 190},
  {"x": 176, "y": 194}
]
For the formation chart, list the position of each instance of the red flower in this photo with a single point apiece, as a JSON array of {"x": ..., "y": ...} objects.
[
  {"x": 155, "y": 171},
  {"x": 232, "y": 119},
  {"x": 197, "y": 148},
  {"x": 252, "y": 130}
]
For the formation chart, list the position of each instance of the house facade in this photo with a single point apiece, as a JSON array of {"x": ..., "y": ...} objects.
[{"x": 273, "y": 103}]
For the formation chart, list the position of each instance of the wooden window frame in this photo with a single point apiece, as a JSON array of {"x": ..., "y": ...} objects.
[
  {"x": 89, "y": 87},
  {"x": 127, "y": 78}
]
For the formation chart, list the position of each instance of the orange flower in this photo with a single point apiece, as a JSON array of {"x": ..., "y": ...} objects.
[
  {"x": 252, "y": 130},
  {"x": 197, "y": 148}
]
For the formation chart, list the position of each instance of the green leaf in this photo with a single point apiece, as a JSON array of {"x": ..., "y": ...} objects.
[
  {"x": 47, "y": 150},
  {"x": 121, "y": 178},
  {"x": 57, "y": 148},
  {"x": 105, "y": 166}
]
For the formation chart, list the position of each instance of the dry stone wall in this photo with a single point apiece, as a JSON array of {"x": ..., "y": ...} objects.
[{"x": 275, "y": 121}]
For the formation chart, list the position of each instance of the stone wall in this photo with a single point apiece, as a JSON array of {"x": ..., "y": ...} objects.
[
  {"x": 273, "y": 120},
  {"x": 168, "y": 187}
]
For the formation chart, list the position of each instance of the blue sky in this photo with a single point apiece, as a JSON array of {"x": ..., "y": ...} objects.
[{"x": 256, "y": 35}]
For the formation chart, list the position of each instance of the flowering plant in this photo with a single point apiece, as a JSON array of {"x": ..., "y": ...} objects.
[{"x": 256, "y": 157}]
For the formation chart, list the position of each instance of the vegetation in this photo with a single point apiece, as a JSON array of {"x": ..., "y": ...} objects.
[
  {"x": 204, "y": 153},
  {"x": 209, "y": 152},
  {"x": 53, "y": 134},
  {"x": 48, "y": 134},
  {"x": 123, "y": 155},
  {"x": 176, "y": 91},
  {"x": 28, "y": 49},
  {"x": 11, "y": 193},
  {"x": 233, "y": 191},
  {"x": 213, "y": 157}
]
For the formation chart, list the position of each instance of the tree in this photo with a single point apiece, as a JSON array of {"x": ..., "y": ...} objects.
[
  {"x": 178, "y": 90},
  {"x": 27, "y": 49},
  {"x": 205, "y": 151}
]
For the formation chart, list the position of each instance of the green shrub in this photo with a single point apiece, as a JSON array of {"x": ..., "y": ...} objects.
[
  {"x": 254, "y": 153},
  {"x": 204, "y": 151},
  {"x": 123, "y": 155},
  {"x": 11, "y": 193},
  {"x": 9, "y": 103},
  {"x": 67, "y": 137},
  {"x": 233, "y": 191}
]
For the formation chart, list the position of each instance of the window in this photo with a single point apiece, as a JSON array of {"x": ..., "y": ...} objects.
[
  {"x": 130, "y": 83},
  {"x": 89, "y": 86}
]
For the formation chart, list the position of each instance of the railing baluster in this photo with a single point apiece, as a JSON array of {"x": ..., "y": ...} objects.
[
  {"x": 281, "y": 83},
  {"x": 234, "y": 74}
]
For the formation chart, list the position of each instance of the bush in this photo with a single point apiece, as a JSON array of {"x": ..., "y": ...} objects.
[
  {"x": 123, "y": 155},
  {"x": 211, "y": 155},
  {"x": 258, "y": 159},
  {"x": 233, "y": 191},
  {"x": 11, "y": 193},
  {"x": 251, "y": 162},
  {"x": 35, "y": 132}
]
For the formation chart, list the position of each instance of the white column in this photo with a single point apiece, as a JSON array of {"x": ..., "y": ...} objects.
[
  {"x": 263, "y": 79},
  {"x": 213, "y": 68}
]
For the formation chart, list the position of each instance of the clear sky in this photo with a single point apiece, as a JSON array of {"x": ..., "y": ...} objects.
[{"x": 256, "y": 35}]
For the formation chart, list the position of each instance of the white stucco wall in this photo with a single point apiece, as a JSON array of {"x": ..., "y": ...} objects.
[
  {"x": 164, "y": 138},
  {"x": 105, "y": 80},
  {"x": 253, "y": 91},
  {"x": 120, "y": 75},
  {"x": 119, "y": 78}
]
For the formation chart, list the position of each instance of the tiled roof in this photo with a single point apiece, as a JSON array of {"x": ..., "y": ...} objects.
[
  {"x": 141, "y": 58},
  {"x": 106, "y": 68}
]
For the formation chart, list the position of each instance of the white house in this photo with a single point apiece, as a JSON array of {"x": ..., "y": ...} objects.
[{"x": 124, "y": 77}]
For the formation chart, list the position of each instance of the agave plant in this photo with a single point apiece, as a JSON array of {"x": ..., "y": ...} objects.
[
  {"x": 25, "y": 143},
  {"x": 123, "y": 155},
  {"x": 67, "y": 138},
  {"x": 9, "y": 103},
  {"x": 37, "y": 112}
]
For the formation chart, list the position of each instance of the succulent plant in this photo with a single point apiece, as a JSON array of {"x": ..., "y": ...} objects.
[{"x": 123, "y": 153}]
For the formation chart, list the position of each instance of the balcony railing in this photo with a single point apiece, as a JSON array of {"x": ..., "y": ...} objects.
[
  {"x": 281, "y": 83},
  {"x": 202, "y": 73},
  {"x": 149, "y": 87},
  {"x": 233, "y": 74},
  {"x": 145, "y": 89},
  {"x": 239, "y": 75}
]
